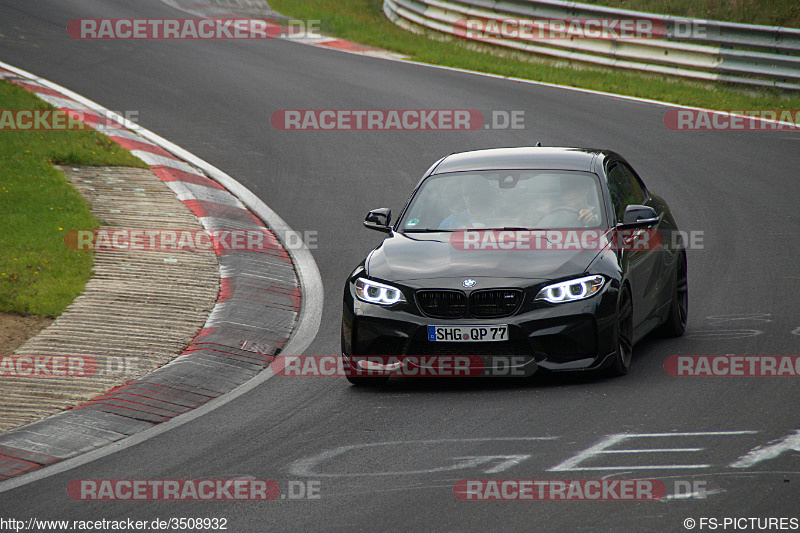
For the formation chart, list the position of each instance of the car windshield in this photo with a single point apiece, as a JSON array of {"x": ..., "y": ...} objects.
[{"x": 497, "y": 199}]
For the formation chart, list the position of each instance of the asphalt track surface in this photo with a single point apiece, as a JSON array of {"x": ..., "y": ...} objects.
[{"x": 215, "y": 99}]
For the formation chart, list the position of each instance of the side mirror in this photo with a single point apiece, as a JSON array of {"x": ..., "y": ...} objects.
[
  {"x": 379, "y": 219},
  {"x": 639, "y": 216}
]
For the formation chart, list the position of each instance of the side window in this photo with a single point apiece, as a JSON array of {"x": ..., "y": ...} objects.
[{"x": 624, "y": 188}]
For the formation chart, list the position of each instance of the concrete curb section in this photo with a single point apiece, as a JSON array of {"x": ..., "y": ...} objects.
[
  {"x": 259, "y": 311},
  {"x": 138, "y": 311}
]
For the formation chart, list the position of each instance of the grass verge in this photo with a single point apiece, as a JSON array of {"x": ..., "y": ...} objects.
[
  {"x": 772, "y": 13},
  {"x": 363, "y": 21},
  {"x": 38, "y": 274}
]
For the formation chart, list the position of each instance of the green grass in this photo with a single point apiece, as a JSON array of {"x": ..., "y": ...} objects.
[
  {"x": 38, "y": 274},
  {"x": 363, "y": 21},
  {"x": 767, "y": 12}
]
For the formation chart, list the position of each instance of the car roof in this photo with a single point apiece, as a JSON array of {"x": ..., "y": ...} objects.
[{"x": 526, "y": 157}]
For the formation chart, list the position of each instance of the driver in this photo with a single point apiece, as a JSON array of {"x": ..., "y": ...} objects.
[{"x": 576, "y": 195}]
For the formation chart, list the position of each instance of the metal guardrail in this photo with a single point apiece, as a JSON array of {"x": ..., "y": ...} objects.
[{"x": 764, "y": 56}]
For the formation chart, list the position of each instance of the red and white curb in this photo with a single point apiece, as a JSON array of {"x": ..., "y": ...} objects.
[
  {"x": 259, "y": 312},
  {"x": 204, "y": 9}
]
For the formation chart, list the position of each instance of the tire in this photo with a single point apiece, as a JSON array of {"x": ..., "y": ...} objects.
[
  {"x": 623, "y": 334},
  {"x": 675, "y": 324}
]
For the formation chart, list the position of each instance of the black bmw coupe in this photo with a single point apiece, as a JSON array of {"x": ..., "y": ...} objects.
[{"x": 519, "y": 258}]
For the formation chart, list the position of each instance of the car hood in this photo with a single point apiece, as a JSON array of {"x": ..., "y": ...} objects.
[{"x": 426, "y": 256}]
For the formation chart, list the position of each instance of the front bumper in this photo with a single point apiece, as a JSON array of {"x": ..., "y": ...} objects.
[{"x": 559, "y": 337}]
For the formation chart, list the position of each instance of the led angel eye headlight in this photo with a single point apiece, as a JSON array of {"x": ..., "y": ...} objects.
[
  {"x": 569, "y": 291},
  {"x": 377, "y": 293}
]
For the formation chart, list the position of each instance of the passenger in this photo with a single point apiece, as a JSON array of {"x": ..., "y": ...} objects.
[{"x": 477, "y": 197}]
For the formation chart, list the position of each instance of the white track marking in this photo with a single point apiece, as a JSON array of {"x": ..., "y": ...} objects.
[
  {"x": 306, "y": 466},
  {"x": 790, "y": 443},
  {"x": 601, "y": 448}
]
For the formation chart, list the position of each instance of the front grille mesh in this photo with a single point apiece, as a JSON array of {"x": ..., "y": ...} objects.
[
  {"x": 442, "y": 304},
  {"x": 494, "y": 303}
]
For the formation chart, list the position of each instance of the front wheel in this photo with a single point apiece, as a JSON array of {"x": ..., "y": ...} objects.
[{"x": 624, "y": 335}]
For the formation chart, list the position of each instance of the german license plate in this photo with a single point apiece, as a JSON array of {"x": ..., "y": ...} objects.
[{"x": 494, "y": 333}]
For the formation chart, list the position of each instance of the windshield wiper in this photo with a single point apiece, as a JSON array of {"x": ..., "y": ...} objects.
[
  {"x": 426, "y": 230},
  {"x": 434, "y": 230},
  {"x": 506, "y": 228}
]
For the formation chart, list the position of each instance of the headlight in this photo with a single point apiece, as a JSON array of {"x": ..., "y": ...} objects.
[
  {"x": 568, "y": 291},
  {"x": 377, "y": 293}
]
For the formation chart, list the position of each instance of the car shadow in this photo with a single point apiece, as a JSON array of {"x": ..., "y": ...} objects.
[{"x": 541, "y": 379}]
